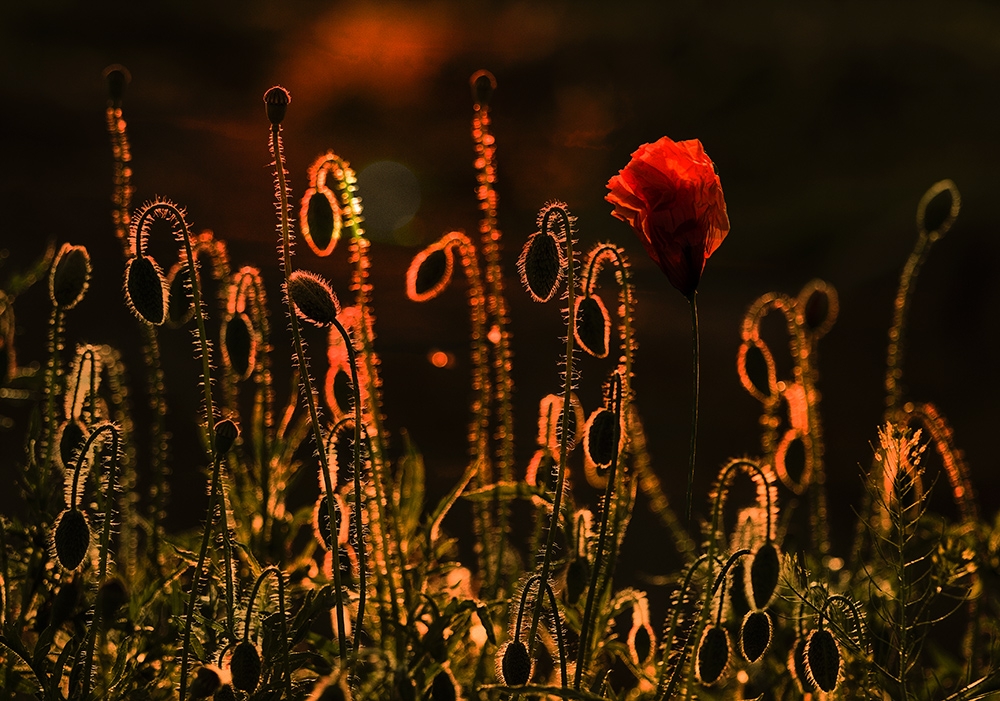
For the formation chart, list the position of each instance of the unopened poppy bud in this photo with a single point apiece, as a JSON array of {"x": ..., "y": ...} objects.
[
  {"x": 244, "y": 666},
  {"x": 797, "y": 665},
  {"x": 117, "y": 77},
  {"x": 145, "y": 290},
  {"x": 226, "y": 433},
  {"x": 72, "y": 538},
  {"x": 483, "y": 84},
  {"x": 276, "y": 104},
  {"x": 593, "y": 326},
  {"x": 541, "y": 265},
  {"x": 321, "y": 220},
  {"x": 764, "y": 572},
  {"x": 313, "y": 298},
  {"x": 755, "y": 635},
  {"x": 180, "y": 303},
  {"x": 823, "y": 660},
  {"x": 599, "y": 444},
  {"x": 239, "y": 345},
  {"x": 71, "y": 437},
  {"x": 713, "y": 655},
  {"x": 206, "y": 682},
  {"x": 516, "y": 664},
  {"x": 70, "y": 276},
  {"x": 429, "y": 273}
]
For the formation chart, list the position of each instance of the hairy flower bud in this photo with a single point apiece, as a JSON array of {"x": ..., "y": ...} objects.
[{"x": 69, "y": 276}]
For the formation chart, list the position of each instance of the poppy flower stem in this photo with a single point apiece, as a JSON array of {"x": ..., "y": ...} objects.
[{"x": 696, "y": 361}]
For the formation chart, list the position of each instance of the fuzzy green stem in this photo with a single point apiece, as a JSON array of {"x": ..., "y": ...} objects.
[
  {"x": 585, "y": 630},
  {"x": 566, "y": 409},
  {"x": 105, "y": 544},
  {"x": 696, "y": 361}
]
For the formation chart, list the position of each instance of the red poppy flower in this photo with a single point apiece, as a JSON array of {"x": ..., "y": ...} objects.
[{"x": 670, "y": 194}]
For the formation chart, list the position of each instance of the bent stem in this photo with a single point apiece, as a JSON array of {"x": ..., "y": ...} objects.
[
  {"x": 566, "y": 410},
  {"x": 109, "y": 501},
  {"x": 696, "y": 359}
]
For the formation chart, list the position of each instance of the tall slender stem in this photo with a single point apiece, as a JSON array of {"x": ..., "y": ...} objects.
[
  {"x": 566, "y": 409},
  {"x": 595, "y": 581},
  {"x": 352, "y": 360},
  {"x": 300, "y": 354},
  {"x": 105, "y": 545},
  {"x": 696, "y": 362}
]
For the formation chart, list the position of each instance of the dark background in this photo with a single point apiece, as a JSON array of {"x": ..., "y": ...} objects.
[{"x": 827, "y": 122}]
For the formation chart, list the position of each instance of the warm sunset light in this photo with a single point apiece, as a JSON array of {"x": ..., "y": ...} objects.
[{"x": 454, "y": 351}]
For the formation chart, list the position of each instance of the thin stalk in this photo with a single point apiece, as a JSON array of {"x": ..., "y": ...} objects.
[
  {"x": 199, "y": 568},
  {"x": 696, "y": 361},
  {"x": 564, "y": 438},
  {"x": 585, "y": 632},
  {"x": 300, "y": 354},
  {"x": 105, "y": 545},
  {"x": 352, "y": 360}
]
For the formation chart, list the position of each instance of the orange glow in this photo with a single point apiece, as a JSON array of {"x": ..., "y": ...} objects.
[{"x": 441, "y": 359}]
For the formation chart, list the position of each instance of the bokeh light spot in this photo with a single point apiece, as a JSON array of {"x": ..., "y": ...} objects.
[{"x": 441, "y": 359}]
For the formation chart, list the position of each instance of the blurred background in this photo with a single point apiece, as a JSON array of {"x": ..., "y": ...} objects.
[{"x": 827, "y": 122}]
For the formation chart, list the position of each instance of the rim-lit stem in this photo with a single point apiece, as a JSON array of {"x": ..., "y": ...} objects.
[
  {"x": 567, "y": 409},
  {"x": 109, "y": 511}
]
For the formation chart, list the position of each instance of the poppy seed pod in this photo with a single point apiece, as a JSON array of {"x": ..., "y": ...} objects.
[
  {"x": 713, "y": 655},
  {"x": 226, "y": 433},
  {"x": 515, "y": 665},
  {"x": 276, "y": 104},
  {"x": 69, "y": 276},
  {"x": 483, "y": 84},
  {"x": 313, "y": 298},
  {"x": 145, "y": 290},
  {"x": 244, "y": 666},
  {"x": 72, "y": 538},
  {"x": 117, "y": 77}
]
